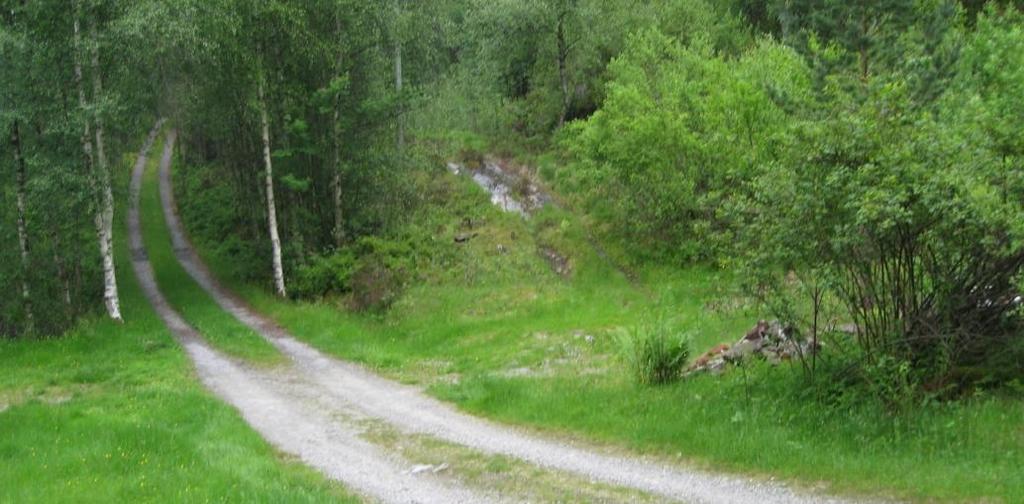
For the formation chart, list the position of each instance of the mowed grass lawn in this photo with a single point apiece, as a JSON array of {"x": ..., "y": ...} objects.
[{"x": 114, "y": 413}]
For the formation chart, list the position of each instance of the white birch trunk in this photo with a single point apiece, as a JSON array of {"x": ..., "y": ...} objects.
[
  {"x": 26, "y": 293},
  {"x": 106, "y": 210},
  {"x": 109, "y": 281},
  {"x": 275, "y": 239}
]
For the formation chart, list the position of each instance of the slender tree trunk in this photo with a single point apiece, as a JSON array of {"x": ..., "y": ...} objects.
[
  {"x": 109, "y": 279},
  {"x": 339, "y": 224},
  {"x": 398, "y": 80},
  {"x": 275, "y": 239},
  {"x": 62, "y": 275},
  {"x": 106, "y": 211},
  {"x": 19, "y": 161},
  {"x": 563, "y": 71}
]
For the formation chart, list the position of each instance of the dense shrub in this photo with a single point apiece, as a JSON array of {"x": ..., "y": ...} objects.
[
  {"x": 681, "y": 130},
  {"x": 375, "y": 287},
  {"x": 208, "y": 205},
  {"x": 847, "y": 196},
  {"x": 889, "y": 195},
  {"x": 911, "y": 224},
  {"x": 654, "y": 353},
  {"x": 372, "y": 272},
  {"x": 324, "y": 275}
]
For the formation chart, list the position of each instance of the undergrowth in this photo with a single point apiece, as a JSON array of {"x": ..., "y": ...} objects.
[
  {"x": 495, "y": 331},
  {"x": 654, "y": 353}
]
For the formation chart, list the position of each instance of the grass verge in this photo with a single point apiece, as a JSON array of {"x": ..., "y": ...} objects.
[
  {"x": 218, "y": 327},
  {"x": 524, "y": 358},
  {"x": 533, "y": 349},
  {"x": 114, "y": 413}
]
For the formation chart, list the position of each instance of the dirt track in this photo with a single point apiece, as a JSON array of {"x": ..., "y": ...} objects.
[
  {"x": 312, "y": 409},
  {"x": 268, "y": 401}
]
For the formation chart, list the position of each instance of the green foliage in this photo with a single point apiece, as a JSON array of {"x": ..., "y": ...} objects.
[
  {"x": 773, "y": 418},
  {"x": 911, "y": 220},
  {"x": 323, "y": 275},
  {"x": 680, "y": 131},
  {"x": 892, "y": 382},
  {"x": 989, "y": 80},
  {"x": 852, "y": 183},
  {"x": 134, "y": 423},
  {"x": 373, "y": 272},
  {"x": 41, "y": 127},
  {"x": 210, "y": 209},
  {"x": 375, "y": 287},
  {"x": 654, "y": 353},
  {"x": 866, "y": 31},
  {"x": 550, "y": 63},
  {"x": 462, "y": 111}
]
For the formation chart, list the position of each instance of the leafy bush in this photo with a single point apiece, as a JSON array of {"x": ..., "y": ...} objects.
[
  {"x": 323, "y": 275},
  {"x": 681, "y": 130},
  {"x": 373, "y": 272},
  {"x": 376, "y": 287},
  {"x": 912, "y": 224},
  {"x": 654, "y": 353},
  {"x": 384, "y": 269}
]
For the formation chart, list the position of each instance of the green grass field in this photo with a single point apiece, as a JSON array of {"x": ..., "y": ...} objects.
[
  {"x": 536, "y": 350},
  {"x": 114, "y": 413}
]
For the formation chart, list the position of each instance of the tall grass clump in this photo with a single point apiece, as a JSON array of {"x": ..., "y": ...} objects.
[{"x": 654, "y": 353}]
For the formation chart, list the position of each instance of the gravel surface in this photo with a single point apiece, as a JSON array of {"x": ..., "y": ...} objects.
[
  {"x": 268, "y": 400},
  {"x": 410, "y": 411}
]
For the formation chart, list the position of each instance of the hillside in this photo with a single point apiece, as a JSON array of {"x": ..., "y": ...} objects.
[{"x": 726, "y": 251}]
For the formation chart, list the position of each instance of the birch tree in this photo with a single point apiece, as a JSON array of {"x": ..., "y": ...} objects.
[
  {"x": 272, "y": 24},
  {"x": 12, "y": 48},
  {"x": 275, "y": 239},
  {"x": 338, "y": 230},
  {"x": 97, "y": 163},
  {"x": 105, "y": 215},
  {"x": 20, "y": 190}
]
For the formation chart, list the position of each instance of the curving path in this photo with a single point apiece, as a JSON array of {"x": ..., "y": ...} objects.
[
  {"x": 268, "y": 401},
  {"x": 361, "y": 393}
]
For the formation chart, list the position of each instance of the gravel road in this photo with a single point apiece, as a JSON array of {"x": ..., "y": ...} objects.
[
  {"x": 266, "y": 398},
  {"x": 407, "y": 409}
]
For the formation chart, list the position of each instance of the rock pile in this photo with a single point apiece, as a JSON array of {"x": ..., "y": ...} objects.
[{"x": 772, "y": 341}]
